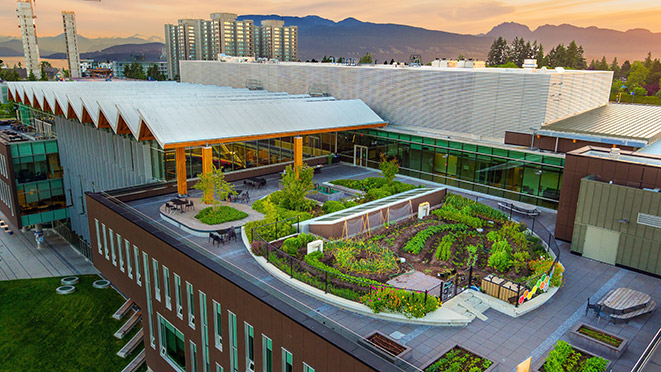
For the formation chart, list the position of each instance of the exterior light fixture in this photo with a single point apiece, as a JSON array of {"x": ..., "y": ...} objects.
[{"x": 623, "y": 220}]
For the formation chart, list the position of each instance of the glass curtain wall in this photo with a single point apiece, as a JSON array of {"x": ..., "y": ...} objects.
[
  {"x": 529, "y": 177},
  {"x": 242, "y": 155}
]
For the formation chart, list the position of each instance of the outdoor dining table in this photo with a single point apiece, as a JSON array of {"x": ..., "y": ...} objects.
[
  {"x": 179, "y": 203},
  {"x": 624, "y": 300}
]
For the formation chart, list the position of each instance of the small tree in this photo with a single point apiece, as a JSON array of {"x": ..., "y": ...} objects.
[
  {"x": 389, "y": 168},
  {"x": 366, "y": 59},
  {"x": 214, "y": 187},
  {"x": 32, "y": 76},
  {"x": 296, "y": 187}
]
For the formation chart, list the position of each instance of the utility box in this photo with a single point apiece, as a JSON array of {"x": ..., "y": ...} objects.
[
  {"x": 423, "y": 210},
  {"x": 317, "y": 245}
]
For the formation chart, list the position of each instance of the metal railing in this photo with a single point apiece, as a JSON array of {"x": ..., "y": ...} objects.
[
  {"x": 648, "y": 353},
  {"x": 63, "y": 230}
]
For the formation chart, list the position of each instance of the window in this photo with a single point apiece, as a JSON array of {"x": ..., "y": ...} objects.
[
  {"x": 105, "y": 241},
  {"x": 145, "y": 262},
  {"x": 219, "y": 368},
  {"x": 287, "y": 361},
  {"x": 112, "y": 247},
  {"x": 267, "y": 354},
  {"x": 136, "y": 256},
  {"x": 129, "y": 269},
  {"x": 193, "y": 356},
  {"x": 172, "y": 345},
  {"x": 307, "y": 368},
  {"x": 190, "y": 295},
  {"x": 157, "y": 284},
  {"x": 234, "y": 348},
  {"x": 166, "y": 287},
  {"x": 205, "y": 332},
  {"x": 121, "y": 255},
  {"x": 98, "y": 236},
  {"x": 177, "y": 294},
  {"x": 217, "y": 326},
  {"x": 250, "y": 347}
]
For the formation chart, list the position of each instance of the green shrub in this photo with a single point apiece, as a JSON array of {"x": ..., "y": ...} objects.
[
  {"x": 475, "y": 208},
  {"x": 350, "y": 203},
  {"x": 565, "y": 358},
  {"x": 411, "y": 304},
  {"x": 449, "y": 212},
  {"x": 222, "y": 214},
  {"x": 293, "y": 244},
  {"x": 332, "y": 206},
  {"x": 520, "y": 260},
  {"x": 500, "y": 261},
  {"x": 377, "y": 193}
]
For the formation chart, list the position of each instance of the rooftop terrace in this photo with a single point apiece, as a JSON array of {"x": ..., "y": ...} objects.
[{"x": 502, "y": 339}]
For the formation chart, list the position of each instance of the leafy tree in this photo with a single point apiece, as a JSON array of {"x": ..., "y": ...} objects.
[
  {"x": 214, "y": 186},
  {"x": 154, "y": 73},
  {"x": 9, "y": 74},
  {"x": 32, "y": 76},
  {"x": 460, "y": 57},
  {"x": 389, "y": 168},
  {"x": 637, "y": 74},
  {"x": 655, "y": 73},
  {"x": 498, "y": 53},
  {"x": 65, "y": 73},
  {"x": 296, "y": 187},
  {"x": 134, "y": 71},
  {"x": 366, "y": 59},
  {"x": 639, "y": 91}
]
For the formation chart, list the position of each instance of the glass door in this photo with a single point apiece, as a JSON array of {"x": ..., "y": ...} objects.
[{"x": 360, "y": 155}]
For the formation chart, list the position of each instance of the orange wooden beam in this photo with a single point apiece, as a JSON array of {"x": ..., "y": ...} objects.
[
  {"x": 268, "y": 136},
  {"x": 103, "y": 121},
  {"x": 180, "y": 160},
  {"x": 298, "y": 153},
  {"x": 145, "y": 133},
  {"x": 87, "y": 118},
  {"x": 10, "y": 96}
]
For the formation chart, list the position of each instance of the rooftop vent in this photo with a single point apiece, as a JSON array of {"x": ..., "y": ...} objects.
[{"x": 615, "y": 153}]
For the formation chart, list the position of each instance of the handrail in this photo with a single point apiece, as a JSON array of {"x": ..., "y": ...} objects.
[{"x": 647, "y": 354}]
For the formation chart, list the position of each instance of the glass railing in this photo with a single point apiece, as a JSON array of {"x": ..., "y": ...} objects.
[{"x": 253, "y": 278}]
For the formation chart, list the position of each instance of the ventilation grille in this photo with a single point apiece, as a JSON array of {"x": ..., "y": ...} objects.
[{"x": 649, "y": 220}]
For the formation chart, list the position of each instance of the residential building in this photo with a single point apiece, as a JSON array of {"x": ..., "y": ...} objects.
[
  {"x": 28, "y": 28},
  {"x": 71, "y": 39},
  {"x": 224, "y": 34}
]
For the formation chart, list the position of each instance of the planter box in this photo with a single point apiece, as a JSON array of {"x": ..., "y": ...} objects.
[
  {"x": 492, "y": 368},
  {"x": 595, "y": 346},
  {"x": 385, "y": 354},
  {"x": 536, "y": 367}
]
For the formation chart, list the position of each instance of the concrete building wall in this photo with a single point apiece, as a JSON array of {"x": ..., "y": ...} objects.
[
  {"x": 71, "y": 39},
  {"x": 616, "y": 208},
  {"x": 97, "y": 160},
  {"x": 480, "y": 104}
]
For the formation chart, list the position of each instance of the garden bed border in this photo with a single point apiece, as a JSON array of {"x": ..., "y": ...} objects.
[
  {"x": 540, "y": 362},
  {"x": 443, "y": 316},
  {"x": 595, "y": 346},
  {"x": 445, "y": 350},
  {"x": 383, "y": 353}
]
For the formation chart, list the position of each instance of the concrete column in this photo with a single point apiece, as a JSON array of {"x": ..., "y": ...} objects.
[
  {"x": 298, "y": 153},
  {"x": 180, "y": 160},
  {"x": 207, "y": 160}
]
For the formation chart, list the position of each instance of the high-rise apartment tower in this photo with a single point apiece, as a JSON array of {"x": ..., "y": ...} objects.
[
  {"x": 28, "y": 28},
  {"x": 71, "y": 38}
]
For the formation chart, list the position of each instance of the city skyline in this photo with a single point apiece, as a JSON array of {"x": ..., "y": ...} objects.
[{"x": 124, "y": 18}]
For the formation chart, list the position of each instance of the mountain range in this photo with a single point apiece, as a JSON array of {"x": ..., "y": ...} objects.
[{"x": 353, "y": 38}]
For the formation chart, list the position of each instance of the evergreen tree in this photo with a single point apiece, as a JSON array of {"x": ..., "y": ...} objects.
[
  {"x": 154, "y": 73},
  {"x": 498, "y": 52},
  {"x": 134, "y": 71},
  {"x": 592, "y": 65},
  {"x": 32, "y": 76},
  {"x": 539, "y": 54},
  {"x": 615, "y": 67},
  {"x": 655, "y": 73},
  {"x": 366, "y": 59},
  {"x": 648, "y": 61},
  {"x": 602, "y": 65},
  {"x": 518, "y": 51}
]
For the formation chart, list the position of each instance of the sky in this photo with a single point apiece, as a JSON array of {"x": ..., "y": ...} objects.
[{"x": 146, "y": 17}]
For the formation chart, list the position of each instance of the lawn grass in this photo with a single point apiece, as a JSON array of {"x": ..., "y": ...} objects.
[
  {"x": 43, "y": 331},
  {"x": 223, "y": 213}
]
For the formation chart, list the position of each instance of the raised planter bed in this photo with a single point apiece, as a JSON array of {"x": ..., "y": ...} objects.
[
  {"x": 386, "y": 346},
  {"x": 538, "y": 366},
  {"x": 469, "y": 361},
  {"x": 598, "y": 341}
]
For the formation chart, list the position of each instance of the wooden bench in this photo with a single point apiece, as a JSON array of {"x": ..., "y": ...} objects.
[
  {"x": 119, "y": 314},
  {"x": 132, "y": 344},
  {"x": 136, "y": 363},
  {"x": 519, "y": 208},
  {"x": 128, "y": 326}
]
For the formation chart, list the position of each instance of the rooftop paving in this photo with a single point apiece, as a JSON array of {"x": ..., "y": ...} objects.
[{"x": 505, "y": 340}]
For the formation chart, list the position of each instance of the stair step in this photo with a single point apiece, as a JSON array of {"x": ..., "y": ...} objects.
[
  {"x": 132, "y": 344},
  {"x": 482, "y": 307},
  {"x": 475, "y": 312},
  {"x": 128, "y": 326},
  {"x": 136, "y": 363}
]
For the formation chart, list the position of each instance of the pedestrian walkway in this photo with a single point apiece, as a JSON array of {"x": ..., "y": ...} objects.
[{"x": 21, "y": 259}]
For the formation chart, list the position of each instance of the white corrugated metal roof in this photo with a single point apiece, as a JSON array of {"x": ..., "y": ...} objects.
[{"x": 176, "y": 113}]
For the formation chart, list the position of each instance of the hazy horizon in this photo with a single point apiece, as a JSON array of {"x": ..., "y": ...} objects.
[{"x": 124, "y": 18}]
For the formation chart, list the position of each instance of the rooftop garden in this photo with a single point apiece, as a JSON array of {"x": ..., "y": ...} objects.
[
  {"x": 565, "y": 358},
  {"x": 215, "y": 191}
]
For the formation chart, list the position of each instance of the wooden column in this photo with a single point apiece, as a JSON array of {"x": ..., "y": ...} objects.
[
  {"x": 180, "y": 159},
  {"x": 207, "y": 160},
  {"x": 298, "y": 153}
]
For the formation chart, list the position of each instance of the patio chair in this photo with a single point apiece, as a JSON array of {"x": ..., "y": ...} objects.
[
  {"x": 189, "y": 203},
  {"x": 594, "y": 307},
  {"x": 231, "y": 234},
  {"x": 170, "y": 207}
]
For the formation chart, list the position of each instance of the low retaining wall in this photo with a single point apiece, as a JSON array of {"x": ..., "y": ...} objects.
[{"x": 595, "y": 346}]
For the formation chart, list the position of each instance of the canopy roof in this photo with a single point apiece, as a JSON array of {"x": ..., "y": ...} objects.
[{"x": 181, "y": 114}]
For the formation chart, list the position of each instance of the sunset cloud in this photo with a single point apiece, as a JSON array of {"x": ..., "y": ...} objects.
[{"x": 146, "y": 17}]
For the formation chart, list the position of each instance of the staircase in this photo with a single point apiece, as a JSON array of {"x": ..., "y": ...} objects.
[{"x": 470, "y": 306}]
